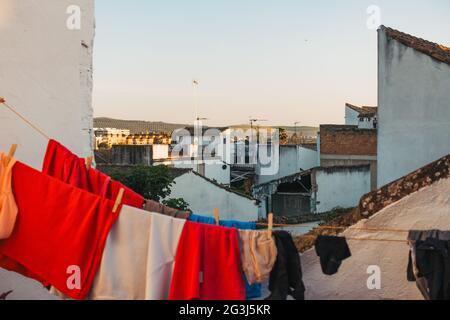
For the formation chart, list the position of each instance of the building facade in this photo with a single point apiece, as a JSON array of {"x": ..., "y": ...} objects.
[
  {"x": 346, "y": 145},
  {"x": 414, "y": 103},
  {"x": 203, "y": 195}
]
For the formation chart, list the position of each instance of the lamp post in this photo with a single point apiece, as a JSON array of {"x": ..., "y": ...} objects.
[{"x": 296, "y": 132}]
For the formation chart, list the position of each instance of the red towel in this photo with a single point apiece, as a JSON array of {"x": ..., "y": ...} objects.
[
  {"x": 57, "y": 226},
  {"x": 207, "y": 264},
  {"x": 61, "y": 163}
]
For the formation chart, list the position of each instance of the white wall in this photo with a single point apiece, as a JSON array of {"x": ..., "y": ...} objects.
[
  {"x": 307, "y": 158},
  {"x": 216, "y": 171},
  {"x": 366, "y": 123},
  {"x": 293, "y": 159},
  {"x": 160, "y": 151},
  {"x": 203, "y": 197},
  {"x": 414, "y": 110},
  {"x": 213, "y": 171},
  {"x": 340, "y": 188},
  {"x": 46, "y": 74},
  {"x": 351, "y": 116}
]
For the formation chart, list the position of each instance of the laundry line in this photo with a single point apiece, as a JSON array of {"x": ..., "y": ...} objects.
[
  {"x": 360, "y": 239},
  {"x": 23, "y": 118},
  {"x": 332, "y": 227}
]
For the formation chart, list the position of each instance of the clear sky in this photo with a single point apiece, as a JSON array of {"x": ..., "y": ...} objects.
[{"x": 281, "y": 60}]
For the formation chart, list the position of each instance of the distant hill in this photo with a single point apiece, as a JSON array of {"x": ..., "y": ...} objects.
[
  {"x": 137, "y": 126},
  {"x": 290, "y": 130},
  {"x": 140, "y": 126}
]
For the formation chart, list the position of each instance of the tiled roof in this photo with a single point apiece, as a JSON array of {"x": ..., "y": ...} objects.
[
  {"x": 434, "y": 50},
  {"x": 364, "y": 111},
  {"x": 213, "y": 182},
  {"x": 353, "y": 107},
  {"x": 337, "y": 127}
]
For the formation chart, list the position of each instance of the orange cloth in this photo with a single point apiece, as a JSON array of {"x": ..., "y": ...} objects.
[
  {"x": 258, "y": 255},
  {"x": 8, "y": 206}
]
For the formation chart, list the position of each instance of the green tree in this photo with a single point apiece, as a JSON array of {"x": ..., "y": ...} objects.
[
  {"x": 284, "y": 139},
  {"x": 152, "y": 183}
]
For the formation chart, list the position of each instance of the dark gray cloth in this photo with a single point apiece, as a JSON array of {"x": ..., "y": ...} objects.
[
  {"x": 331, "y": 250},
  {"x": 286, "y": 276},
  {"x": 429, "y": 263}
]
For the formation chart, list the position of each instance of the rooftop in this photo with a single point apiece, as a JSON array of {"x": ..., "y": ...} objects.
[
  {"x": 342, "y": 127},
  {"x": 364, "y": 111},
  {"x": 436, "y": 51}
]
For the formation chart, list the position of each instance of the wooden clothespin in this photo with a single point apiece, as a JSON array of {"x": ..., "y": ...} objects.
[
  {"x": 118, "y": 199},
  {"x": 11, "y": 152},
  {"x": 216, "y": 216},
  {"x": 270, "y": 224},
  {"x": 88, "y": 162}
]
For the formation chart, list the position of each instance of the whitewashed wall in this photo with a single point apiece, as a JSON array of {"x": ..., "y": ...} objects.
[
  {"x": 203, "y": 196},
  {"x": 160, "y": 151},
  {"x": 213, "y": 171},
  {"x": 414, "y": 109},
  {"x": 46, "y": 74},
  {"x": 293, "y": 159},
  {"x": 340, "y": 187},
  {"x": 307, "y": 158},
  {"x": 426, "y": 209},
  {"x": 351, "y": 116}
]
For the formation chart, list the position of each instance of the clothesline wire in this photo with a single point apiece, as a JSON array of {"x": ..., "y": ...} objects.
[
  {"x": 26, "y": 120},
  {"x": 362, "y": 239},
  {"x": 332, "y": 227}
]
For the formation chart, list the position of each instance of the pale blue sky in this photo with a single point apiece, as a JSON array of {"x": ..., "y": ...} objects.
[{"x": 281, "y": 60}]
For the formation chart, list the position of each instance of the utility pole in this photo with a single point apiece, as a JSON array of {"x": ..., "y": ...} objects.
[
  {"x": 252, "y": 121},
  {"x": 296, "y": 133}
]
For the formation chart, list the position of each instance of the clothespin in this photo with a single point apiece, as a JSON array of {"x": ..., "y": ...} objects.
[
  {"x": 270, "y": 225},
  {"x": 88, "y": 162},
  {"x": 216, "y": 216},
  {"x": 118, "y": 199},
  {"x": 11, "y": 152},
  {"x": 2, "y": 100}
]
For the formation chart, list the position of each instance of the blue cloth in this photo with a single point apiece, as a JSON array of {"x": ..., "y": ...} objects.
[
  {"x": 251, "y": 291},
  {"x": 201, "y": 219}
]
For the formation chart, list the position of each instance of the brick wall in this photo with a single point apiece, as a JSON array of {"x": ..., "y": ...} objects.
[{"x": 347, "y": 140}]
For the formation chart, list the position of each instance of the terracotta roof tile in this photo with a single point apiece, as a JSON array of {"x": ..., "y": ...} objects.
[{"x": 434, "y": 50}]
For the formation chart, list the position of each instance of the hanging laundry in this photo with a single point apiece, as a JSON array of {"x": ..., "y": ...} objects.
[
  {"x": 60, "y": 232},
  {"x": 61, "y": 163},
  {"x": 207, "y": 264},
  {"x": 286, "y": 276},
  {"x": 130, "y": 198},
  {"x": 99, "y": 183},
  {"x": 258, "y": 255},
  {"x": 138, "y": 259},
  {"x": 429, "y": 263},
  {"x": 8, "y": 206},
  {"x": 242, "y": 225},
  {"x": 332, "y": 251},
  {"x": 252, "y": 290},
  {"x": 201, "y": 219},
  {"x": 154, "y": 206}
]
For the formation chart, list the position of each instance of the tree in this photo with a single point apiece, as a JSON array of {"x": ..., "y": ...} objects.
[
  {"x": 284, "y": 139},
  {"x": 152, "y": 183}
]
